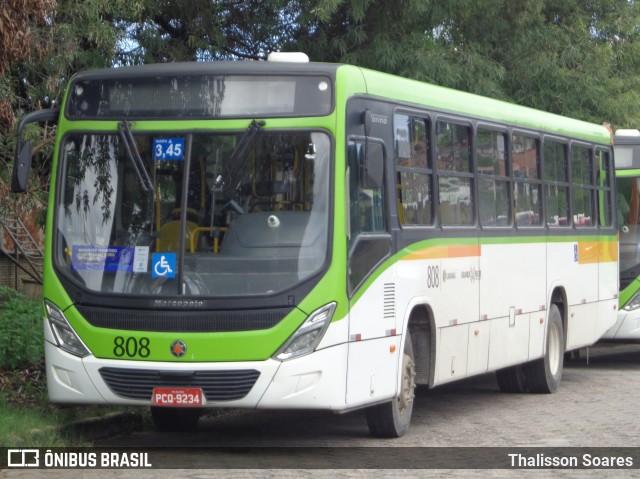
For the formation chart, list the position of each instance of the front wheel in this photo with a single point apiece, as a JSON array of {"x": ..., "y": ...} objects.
[
  {"x": 544, "y": 374},
  {"x": 392, "y": 419}
]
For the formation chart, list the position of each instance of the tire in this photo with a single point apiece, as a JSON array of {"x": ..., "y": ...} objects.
[
  {"x": 170, "y": 419},
  {"x": 543, "y": 375},
  {"x": 392, "y": 419},
  {"x": 512, "y": 379}
]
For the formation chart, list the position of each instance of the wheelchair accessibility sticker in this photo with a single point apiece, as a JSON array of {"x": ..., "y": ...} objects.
[{"x": 163, "y": 265}]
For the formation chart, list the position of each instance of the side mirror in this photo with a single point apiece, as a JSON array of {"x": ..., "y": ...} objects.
[
  {"x": 21, "y": 167},
  {"x": 24, "y": 148}
]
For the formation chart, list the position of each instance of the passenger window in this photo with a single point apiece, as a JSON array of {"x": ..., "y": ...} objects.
[
  {"x": 583, "y": 191},
  {"x": 494, "y": 185},
  {"x": 453, "y": 145},
  {"x": 557, "y": 183},
  {"x": 455, "y": 180},
  {"x": 414, "y": 175},
  {"x": 527, "y": 186}
]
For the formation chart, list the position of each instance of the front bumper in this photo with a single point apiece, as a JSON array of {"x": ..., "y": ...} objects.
[{"x": 316, "y": 381}]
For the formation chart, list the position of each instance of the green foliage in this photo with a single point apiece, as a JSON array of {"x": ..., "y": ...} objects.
[
  {"x": 21, "y": 333},
  {"x": 571, "y": 57},
  {"x": 45, "y": 425},
  {"x": 22, "y": 427},
  {"x": 579, "y": 58}
]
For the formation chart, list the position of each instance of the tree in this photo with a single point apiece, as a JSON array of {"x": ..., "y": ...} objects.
[
  {"x": 179, "y": 30},
  {"x": 45, "y": 43},
  {"x": 18, "y": 42},
  {"x": 579, "y": 58},
  {"x": 571, "y": 57}
]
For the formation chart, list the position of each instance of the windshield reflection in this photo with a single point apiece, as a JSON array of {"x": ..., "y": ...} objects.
[{"x": 224, "y": 214}]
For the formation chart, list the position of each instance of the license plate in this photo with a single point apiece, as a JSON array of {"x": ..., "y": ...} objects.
[{"x": 177, "y": 397}]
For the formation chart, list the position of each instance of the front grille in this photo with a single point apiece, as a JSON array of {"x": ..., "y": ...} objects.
[
  {"x": 224, "y": 385},
  {"x": 182, "y": 321}
]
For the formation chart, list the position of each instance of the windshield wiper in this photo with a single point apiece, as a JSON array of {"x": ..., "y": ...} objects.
[
  {"x": 244, "y": 141},
  {"x": 134, "y": 155},
  {"x": 237, "y": 162},
  {"x": 234, "y": 166}
]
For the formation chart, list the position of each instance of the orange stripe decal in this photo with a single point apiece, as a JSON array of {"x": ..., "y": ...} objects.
[
  {"x": 588, "y": 252},
  {"x": 609, "y": 251},
  {"x": 464, "y": 251},
  {"x": 437, "y": 252}
]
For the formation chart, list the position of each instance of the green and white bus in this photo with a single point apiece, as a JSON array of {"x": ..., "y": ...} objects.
[
  {"x": 304, "y": 235},
  {"x": 627, "y": 155}
]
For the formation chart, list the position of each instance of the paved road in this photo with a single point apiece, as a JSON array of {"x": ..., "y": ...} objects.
[{"x": 597, "y": 405}]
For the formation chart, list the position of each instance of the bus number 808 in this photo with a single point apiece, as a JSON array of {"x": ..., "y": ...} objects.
[
  {"x": 131, "y": 347},
  {"x": 433, "y": 277}
]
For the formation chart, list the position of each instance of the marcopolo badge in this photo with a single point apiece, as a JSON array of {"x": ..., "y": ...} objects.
[{"x": 178, "y": 348}]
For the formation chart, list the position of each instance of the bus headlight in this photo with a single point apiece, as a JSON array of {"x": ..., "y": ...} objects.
[
  {"x": 63, "y": 332},
  {"x": 308, "y": 335},
  {"x": 634, "y": 302}
]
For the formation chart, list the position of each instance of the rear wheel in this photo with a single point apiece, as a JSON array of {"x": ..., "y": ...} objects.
[
  {"x": 544, "y": 374},
  {"x": 392, "y": 419},
  {"x": 172, "y": 419}
]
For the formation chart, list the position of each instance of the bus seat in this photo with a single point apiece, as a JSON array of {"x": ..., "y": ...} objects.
[
  {"x": 192, "y": 214},
  {"x": 170, "y": 235}
]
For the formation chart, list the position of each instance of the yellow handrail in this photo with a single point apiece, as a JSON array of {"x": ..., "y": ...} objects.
[{"x": 193, "y": 235}]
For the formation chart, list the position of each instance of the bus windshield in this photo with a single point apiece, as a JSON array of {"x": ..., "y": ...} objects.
[{"x": 202, "y": 214}]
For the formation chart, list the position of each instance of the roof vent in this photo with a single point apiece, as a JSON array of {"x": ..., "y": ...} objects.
[{"x": 292, "y": 57}]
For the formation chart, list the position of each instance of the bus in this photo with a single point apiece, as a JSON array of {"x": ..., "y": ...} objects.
[
  {"x": 291, "y": 234},
  {"x": 627, "y": 170}
]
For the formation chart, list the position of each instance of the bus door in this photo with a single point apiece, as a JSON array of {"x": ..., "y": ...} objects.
[{"x": 371, "y": 328}]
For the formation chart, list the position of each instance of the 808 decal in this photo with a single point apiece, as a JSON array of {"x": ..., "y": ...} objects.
[
  {"x": 433, "y": 276},
  {"x": 131, "y": 347}
]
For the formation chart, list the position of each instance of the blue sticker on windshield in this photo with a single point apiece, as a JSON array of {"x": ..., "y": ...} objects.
[
  {"x": 170, "y": 149},
  {"x": 163, "y": 265},
  {"x": 102, "y": 258}
]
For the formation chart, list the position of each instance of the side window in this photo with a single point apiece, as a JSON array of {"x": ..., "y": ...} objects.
[
  {"x": 366, "y": 206},
  {"x": 604, "y": 180},
  {"x": 583, "y": 191},
  {"x": 556, "y": 170},
  {"x": 494, "y": 185},
  {"x": 527, "y": 186},
  {"x": 369, "y": 242},
  {"x": 455, "y": 180},
  {"x": 413, "y": 170}
]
